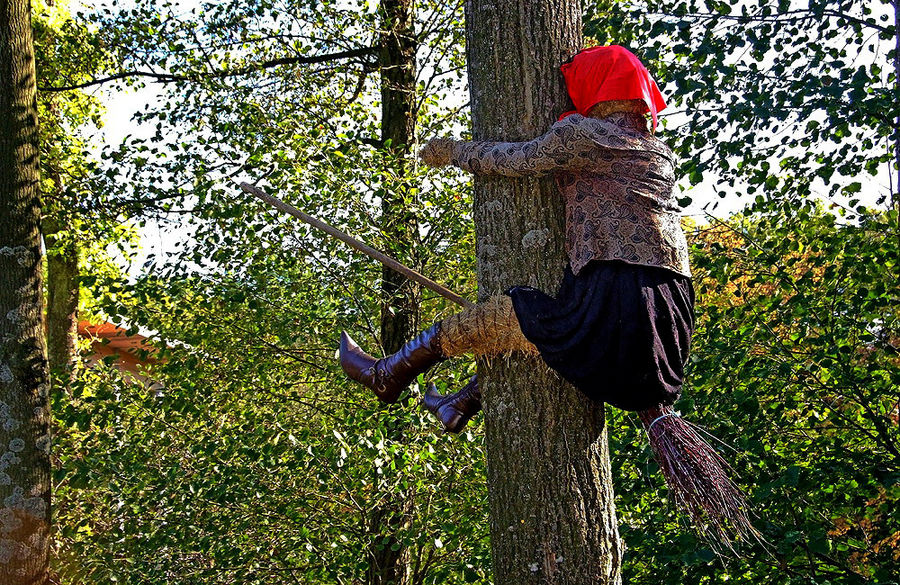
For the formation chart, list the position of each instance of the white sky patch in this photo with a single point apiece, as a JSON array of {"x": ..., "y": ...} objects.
[{"x": 121, "y": 107}]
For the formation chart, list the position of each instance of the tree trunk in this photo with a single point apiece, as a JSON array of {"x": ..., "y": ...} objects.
[
  {"x": 62, "y": 299},
  {"x": 552, "y": 515},
  {"x": 400, "y": 307},
  {"x": 400, "y": 296},
  {"x": 24, "y": 405},
  {"x": 895, "y": 195}
]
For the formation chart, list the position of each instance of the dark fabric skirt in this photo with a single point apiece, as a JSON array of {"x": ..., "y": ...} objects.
[{"x": 619, "y": 332}]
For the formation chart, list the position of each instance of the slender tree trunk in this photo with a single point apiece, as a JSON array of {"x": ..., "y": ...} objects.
[
  {"x": 895, "y": 196},
  {"x": 400, "y": 296},
  {"x": 62, "y": 299},
  {"x": 24, "y": 405},
  {"x": 552, "y": 515},
  {"x": 400, "y": 308}
]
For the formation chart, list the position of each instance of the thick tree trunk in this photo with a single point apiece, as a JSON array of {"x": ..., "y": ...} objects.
[
  {"x": 400, "y": 296},
  {"x": 24, "y": 405},
  {"x": 552, "y": 515}
]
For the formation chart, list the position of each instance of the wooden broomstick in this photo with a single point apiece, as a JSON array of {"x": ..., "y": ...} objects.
[{"x": 357, "y": 245}]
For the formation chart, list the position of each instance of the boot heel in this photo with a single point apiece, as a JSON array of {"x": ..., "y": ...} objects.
[{"x": 453, "y": 410}]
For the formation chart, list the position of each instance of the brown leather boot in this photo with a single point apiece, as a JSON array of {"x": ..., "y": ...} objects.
[
  {"x": 454, "y": 410},
  {"x": 389, "y": 376}
]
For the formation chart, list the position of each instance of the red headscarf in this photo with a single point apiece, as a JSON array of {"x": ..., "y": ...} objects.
[{"x": 602, "y": 74}]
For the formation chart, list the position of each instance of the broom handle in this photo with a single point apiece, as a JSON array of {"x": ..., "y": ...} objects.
[{"x": 357, "y": 245}]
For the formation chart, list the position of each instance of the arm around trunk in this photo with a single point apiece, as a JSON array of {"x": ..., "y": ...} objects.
[{"x": 564, "y": 146}]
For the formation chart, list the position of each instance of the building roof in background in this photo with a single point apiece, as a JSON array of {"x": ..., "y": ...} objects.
[{"x": 133, "y": 351}]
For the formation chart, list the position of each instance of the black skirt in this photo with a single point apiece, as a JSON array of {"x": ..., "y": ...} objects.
[{"x": 618, "y": 332}]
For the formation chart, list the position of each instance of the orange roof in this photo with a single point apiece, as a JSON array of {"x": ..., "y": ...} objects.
[{"x": 108, "y": 338}]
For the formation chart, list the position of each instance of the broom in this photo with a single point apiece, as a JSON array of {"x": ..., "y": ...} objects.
[{"x": 698, "y": 479}]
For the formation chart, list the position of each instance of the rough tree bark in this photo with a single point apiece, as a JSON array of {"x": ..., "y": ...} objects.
[
  {"x": 552, "y": 515},
  {"x": 388, "y": 559},
  {"x": 24, "y": 405}
]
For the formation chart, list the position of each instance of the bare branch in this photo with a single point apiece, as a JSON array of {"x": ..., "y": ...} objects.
[{"x": 172, "y": 77}]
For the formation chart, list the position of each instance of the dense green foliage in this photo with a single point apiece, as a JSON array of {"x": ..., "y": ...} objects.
[
  {"x": 258, "y": 462},
  {"x": 795, "y": 365},
  {"x": 259, "y": 458},
  {"x": 251, "y": 306}
]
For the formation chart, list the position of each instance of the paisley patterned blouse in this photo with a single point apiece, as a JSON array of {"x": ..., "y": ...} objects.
[{"x": 616, "y": 177}]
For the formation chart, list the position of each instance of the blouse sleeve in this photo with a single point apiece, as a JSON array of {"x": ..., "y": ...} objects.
[{"x": 564, "y": 146}]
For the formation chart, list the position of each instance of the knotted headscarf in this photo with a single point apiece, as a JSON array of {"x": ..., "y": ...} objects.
[{"x": 602, "y": 74}]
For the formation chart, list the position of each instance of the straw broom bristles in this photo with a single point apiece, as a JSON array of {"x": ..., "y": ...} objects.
[{"x": 698, "y": 479}]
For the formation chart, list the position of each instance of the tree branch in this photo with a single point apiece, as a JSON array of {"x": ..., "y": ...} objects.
[
  {"x": 776, "y": 18},
  {"x": 172, "y": 77}
]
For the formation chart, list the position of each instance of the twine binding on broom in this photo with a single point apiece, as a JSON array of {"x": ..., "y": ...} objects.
[
  {"x": 698, "y": 479},
  {"x": 659, "y": 418}
]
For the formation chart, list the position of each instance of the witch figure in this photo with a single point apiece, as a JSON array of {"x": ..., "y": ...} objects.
[{"x": 620, "y": 327}]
